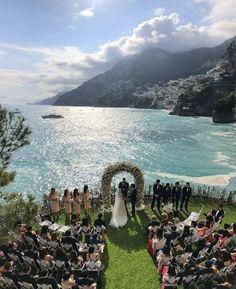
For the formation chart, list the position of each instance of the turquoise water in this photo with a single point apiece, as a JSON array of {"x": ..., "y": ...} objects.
[{"x": 75, "y": 150}]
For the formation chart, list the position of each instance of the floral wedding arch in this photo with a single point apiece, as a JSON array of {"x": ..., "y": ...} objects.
[{"x": 115, "y": 169}]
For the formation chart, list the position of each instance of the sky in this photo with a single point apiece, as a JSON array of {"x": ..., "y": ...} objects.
[{"x": 51, "y": 46}]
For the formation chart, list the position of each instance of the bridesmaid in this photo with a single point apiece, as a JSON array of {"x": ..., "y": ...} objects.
[
  {"x": 54, "y": 204},
  {"x": 76, "y": 201},
  {"x": 86, "y": 195},
  {"x": 67, "y": 201}
]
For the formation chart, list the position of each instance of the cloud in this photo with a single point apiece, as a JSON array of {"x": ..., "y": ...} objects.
[
  {"x": 87, "y": 13},
  {"x": 64, "y": 68},
  {"x": 159, "y": 11},
  {"x": 220, "y": 10}
]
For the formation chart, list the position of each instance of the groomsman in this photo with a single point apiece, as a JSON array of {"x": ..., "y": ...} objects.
[
  {"x": 157, "y": 194},
  {"x": 124, "y": 187},
  {"x": 186, "y": 194},
  {"x": 176, "y": 194},
  {"x": 166, "y": 193}
]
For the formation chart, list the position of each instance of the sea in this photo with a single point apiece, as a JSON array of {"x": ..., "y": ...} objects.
[{"x": 75, "y": 150}]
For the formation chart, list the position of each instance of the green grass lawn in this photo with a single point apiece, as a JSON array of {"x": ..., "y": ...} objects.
[{"x": 127, "y": 262}]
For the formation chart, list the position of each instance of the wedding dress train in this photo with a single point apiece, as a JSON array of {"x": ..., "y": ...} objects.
[{"x": 119, "y": 214}]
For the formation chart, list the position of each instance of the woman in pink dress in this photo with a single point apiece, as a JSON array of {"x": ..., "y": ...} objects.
[
  {"x": 76, "y": 202},
  {"x": 86, "y": 195},
  {"x": 54, "y": 204},
  {"x": 67, "y": 202}
]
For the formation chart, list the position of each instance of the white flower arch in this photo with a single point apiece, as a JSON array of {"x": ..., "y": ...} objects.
[{"x": 115, "y": 169}]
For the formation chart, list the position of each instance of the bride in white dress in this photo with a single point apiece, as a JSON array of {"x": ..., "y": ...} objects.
[{"x": 119, "y": 215}]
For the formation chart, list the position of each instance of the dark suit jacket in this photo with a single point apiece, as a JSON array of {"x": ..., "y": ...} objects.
[
  {"x": 176, "y": 192},
  {"x": 133, "y": 196},
  {"x": 219, "y": 214},
  {"x": 99, "y": 222},
  {"x": 124, "y": 188},
  {"x": 167, "y": 191},
  {"x": 186, "y": 192},
  {"x": 49, "y": 281},
  {"x": 157, "y": 190}
]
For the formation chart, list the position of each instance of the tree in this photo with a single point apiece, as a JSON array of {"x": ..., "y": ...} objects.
[
  {"x": 14, "y": 134},
  {"x": 15, "y": 209}
]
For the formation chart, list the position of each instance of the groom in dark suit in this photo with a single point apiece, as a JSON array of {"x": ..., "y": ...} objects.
[
  {"x": 133, "y": 198},
  {"x": 124, "y": 187}
]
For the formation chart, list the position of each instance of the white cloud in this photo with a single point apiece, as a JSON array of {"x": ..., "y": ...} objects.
[
  {"x": 63, "y": 68},
  {"x": 87, "y": 13},
  {"x": 220, "y": 10},
  {"x": 159, "y": 11}
]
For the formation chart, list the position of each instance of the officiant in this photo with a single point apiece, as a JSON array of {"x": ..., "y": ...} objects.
[{"x": 124, "y": 187}]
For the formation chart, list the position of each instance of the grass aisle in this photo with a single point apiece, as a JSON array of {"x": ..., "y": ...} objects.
[{"x": 127, "y": 262}]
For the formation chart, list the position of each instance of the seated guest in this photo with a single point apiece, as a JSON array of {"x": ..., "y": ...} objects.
[
  {"x": 219, "y": 213},
  {"x": 164, "y": 219},
  {"x": 68, "y": 239},
  {"x": 48, "y": 280},
  {"x": 68, "y": 281},
  {"x": 9, "y": 273},
  {"x": 27, "y": 277},
  {"x": 163, "y": 261},
  {"x": 171, "y": 235},
  {"x": 87, "y": 281},
  {"x": 230, "y": 281},
  {"x": 76, "y": 262},
  {"x": 152, "y": 227},
  {"x": 100, "y": 225},
  {"x": 170, "y": 280},
  {"x": 85, "y": 229}
]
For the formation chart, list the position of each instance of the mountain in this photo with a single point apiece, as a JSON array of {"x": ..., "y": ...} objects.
[
  {"x": 214, "y": 94},
  {"x": 119, "y": 86},
  {"x": 49, "y": 100}
]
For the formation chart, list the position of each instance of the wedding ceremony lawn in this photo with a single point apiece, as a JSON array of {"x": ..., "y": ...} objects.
[{"x": 127, "y": 262}]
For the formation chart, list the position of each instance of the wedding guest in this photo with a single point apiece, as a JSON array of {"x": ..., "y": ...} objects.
[
  {"x": 86, "y": 195},
  {"x": 175, "y": 217},
  {"x": 176, "y": 194},
  {"x": 100, "y": 225},
  {"x": 76, "y": 261},
  {"x": 76, "y": 202},
  {"x": 170, "y": 279},
  {"x": 219, "y": 213},
  {"x": 164, "y": 219},
  {"x": 163, "y": 260},
  {"x": 67, "y": 281},
  {"x": 67, "y": 202},
  {"x": 54, "y": 204},
  {"x": 70, "y": 240},
  {"x": 186, "y": 194},
  {"x": 166, "y": 193},
  {"x": 44, "y": 278},
  {"x": 124, "y": 187},
  {"x": 157, "y": 194},
  {"x": 27, "y": 277}
]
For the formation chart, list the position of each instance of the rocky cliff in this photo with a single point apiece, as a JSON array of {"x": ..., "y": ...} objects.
[{"x": 214, "y": 95}]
